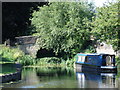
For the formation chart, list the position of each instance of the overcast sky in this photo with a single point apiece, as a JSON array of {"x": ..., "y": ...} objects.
[{"x": 99, "y": 3}]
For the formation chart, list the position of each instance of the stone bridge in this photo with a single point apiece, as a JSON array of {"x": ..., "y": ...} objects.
[
  {"x": 107, "y": 49},
  {"x": 28, "y": 45}
]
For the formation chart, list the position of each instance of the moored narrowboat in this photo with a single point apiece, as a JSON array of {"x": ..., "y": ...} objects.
[{"x": 95, "y": 62}]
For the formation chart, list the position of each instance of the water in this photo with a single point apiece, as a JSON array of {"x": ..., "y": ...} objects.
[{"x": 58, "y": 77}]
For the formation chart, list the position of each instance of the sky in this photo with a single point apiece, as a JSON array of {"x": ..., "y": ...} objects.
[{"x": 99, "y": 3}]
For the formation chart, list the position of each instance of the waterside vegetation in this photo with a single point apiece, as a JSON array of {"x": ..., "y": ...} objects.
[{"x": 66, "y": 28}]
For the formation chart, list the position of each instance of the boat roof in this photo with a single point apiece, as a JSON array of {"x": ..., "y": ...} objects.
[
  {"x": 92, "y": 54},
  {"x": 88, "y": 54}
]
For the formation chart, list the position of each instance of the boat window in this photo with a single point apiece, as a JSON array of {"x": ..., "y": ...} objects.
[
  {"x": 81, "y": 58},
  {"x": 108, "y": 60},
  {"x": 89, "y": 58}
]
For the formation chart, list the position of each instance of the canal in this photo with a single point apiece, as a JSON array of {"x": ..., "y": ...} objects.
[{"x": 63, "y": 77}]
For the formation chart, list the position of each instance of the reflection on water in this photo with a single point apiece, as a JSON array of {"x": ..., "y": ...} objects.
[
  {"x": 96, "y": 80},
  {"x": 46, "y": 77}
]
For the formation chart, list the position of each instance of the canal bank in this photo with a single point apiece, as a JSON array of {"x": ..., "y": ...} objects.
[{"x": 14, "y": 75}]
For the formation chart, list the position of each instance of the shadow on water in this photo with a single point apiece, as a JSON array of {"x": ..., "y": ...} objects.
[{"x": 60, "y": 77}]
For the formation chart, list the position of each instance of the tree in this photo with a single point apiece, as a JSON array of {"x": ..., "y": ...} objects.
[
  {"x": 63, "y": 26},
  {"x": 15, "y": 18},
  {"x": 106, "y": 24}
]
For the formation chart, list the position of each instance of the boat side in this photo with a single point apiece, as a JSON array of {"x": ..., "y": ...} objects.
[
  {"x": 92, "y": 68},
  {"x": 93, "y": 62}
]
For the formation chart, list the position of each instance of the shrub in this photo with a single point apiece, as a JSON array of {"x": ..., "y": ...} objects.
[
  {"x": 117, "y": 60},
  {"x": 9, "y": 53},
  {"x": 90, "y": 49},
  {"x": 27, "y": 60},
  {"x": 70, "y": 62},
  {"x": 48, "y": 60}
]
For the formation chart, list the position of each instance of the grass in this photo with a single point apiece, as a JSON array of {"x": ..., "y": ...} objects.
[{"x": 9, "y": 53}]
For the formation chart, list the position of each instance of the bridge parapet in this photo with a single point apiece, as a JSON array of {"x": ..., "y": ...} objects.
[
  {"x": 28, "y": 45},
  {"x": 26, "y": 40}
]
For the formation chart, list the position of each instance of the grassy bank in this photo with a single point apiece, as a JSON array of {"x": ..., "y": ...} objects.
[
  {"x": 12, "y": 55},
  {"x": 9, "y": 54},
  {"x": 46, "y": 61}
]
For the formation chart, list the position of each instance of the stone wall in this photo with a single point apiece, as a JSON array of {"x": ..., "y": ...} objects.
[
  {"x": 12, "y": 76},
  {"x": 28, "y": 45},
  {"x": 30, "y": 49},
  {"x": 118, "y": 53},
  {"x": 105, "y": 48}
]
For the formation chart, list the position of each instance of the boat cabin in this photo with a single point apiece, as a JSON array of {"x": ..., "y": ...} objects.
[{"x": 95, "y": 59}]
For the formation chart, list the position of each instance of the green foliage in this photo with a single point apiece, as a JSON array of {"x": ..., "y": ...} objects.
[
  {"x": 27, "y": 60},
  {"x": 117, "y": 61},
  {"x": 49, "y": 61},
  {"x": 10, "y": 54},
  {"x": 63, "y": 26},
  {"x": 90, "y": 49},
  {"x": 70, "y": 63},
  {"x": 106, "y": 24},
  {"x": 118, "y": 75}
]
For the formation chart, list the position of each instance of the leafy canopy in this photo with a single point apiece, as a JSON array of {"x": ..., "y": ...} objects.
[
  {"x": 63, "y": 26},
  {"x": 106, "y": 24}
]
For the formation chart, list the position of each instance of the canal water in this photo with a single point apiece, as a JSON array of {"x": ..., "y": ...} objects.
[{"x": 63, "y": 77}]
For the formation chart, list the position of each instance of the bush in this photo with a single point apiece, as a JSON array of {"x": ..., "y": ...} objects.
[
  {"x": 27, "y": 60},
  {"x": 48, "y": 60},
  {"x": 117, "y": 60},
  {"x": 90, "y": 49},
  {"x": 10, "y": 54},
  {"x": 70, "y": 62}
]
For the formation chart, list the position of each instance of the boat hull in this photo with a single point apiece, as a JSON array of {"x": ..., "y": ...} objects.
[{"x": 92, "y": 68}]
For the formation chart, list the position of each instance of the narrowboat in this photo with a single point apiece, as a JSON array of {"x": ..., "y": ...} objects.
[{"x": 95, "y": 62}]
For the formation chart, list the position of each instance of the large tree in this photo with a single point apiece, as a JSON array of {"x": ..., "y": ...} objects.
[
  {"x": 62, "y": 26},
  {"x": 15, "y": 18},
  {"x": 106, "y": 24}
]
